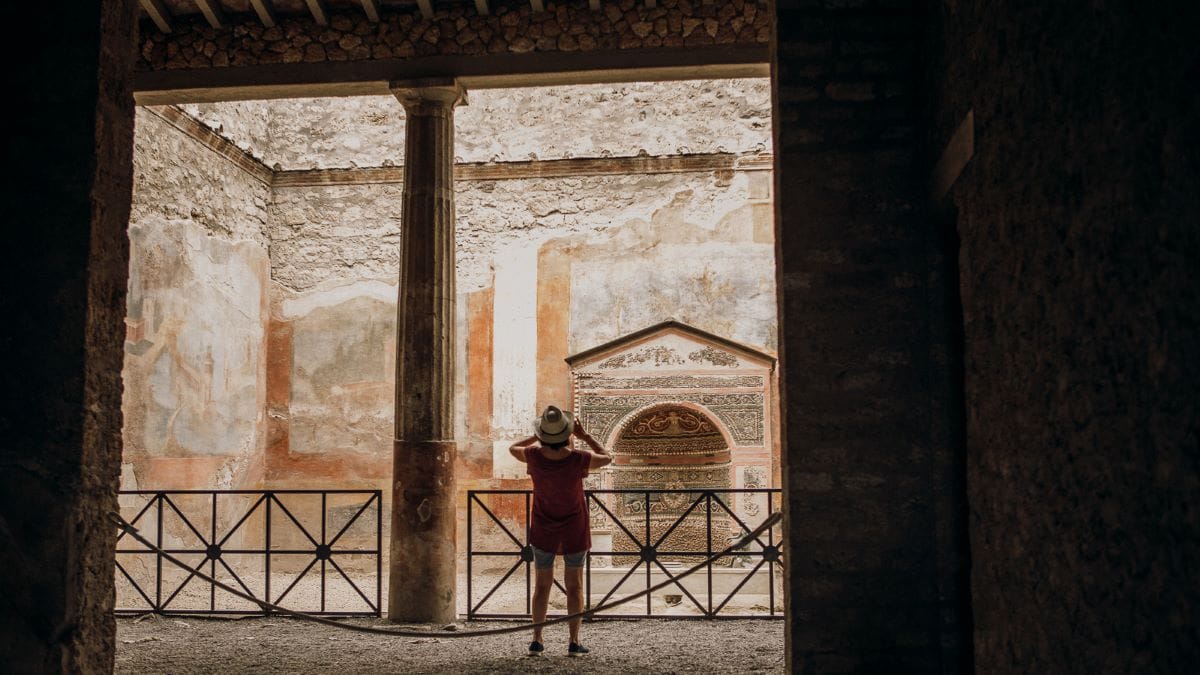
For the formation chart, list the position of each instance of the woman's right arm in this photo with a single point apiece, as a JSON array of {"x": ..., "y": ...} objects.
[{"x": 518, "y": 449}]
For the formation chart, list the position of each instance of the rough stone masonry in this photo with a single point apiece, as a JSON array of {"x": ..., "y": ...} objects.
[{"x": 458, "y": 29}]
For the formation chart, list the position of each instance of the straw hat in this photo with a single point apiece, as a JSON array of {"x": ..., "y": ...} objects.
[{"x": 554, "y": 426}]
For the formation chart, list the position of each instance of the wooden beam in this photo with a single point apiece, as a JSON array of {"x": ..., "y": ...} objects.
[
  {"x": 537, "y": 5},
  {"x": 481, "y": 6},
  {"x": 317, "y": 7},
  {"x": 426, "y": 8},
  {"x": 594, "y": 5},
  {"x": 159, "y": 14},
  {"x": 495, "y": 71},
  {"x": 265, "y": 12},
  {"x": 211, "y": 9},
  {"x": 371, "y": 7}
]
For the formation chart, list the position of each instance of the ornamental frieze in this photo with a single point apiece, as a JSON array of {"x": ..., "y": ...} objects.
[
  {"x": 752, "y": 477},
  {"x": 714, "y": 356},
  {"x": 672, "y": 382},
  {"x": 741, "y": 413},
  {"x": 658, "y": 355}
]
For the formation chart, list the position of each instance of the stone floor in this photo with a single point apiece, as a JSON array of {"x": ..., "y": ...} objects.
[{"x": 261, "y": 645}]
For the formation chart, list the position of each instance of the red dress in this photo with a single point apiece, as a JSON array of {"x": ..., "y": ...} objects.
[{"x": 559, "y": 522}]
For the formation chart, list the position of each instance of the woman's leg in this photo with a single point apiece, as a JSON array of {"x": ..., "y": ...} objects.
[
  {"x": 543, "y": 581},
  {"x": 574, "y": 579}
]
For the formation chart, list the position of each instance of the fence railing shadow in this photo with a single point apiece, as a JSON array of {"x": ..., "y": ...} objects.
[{"x": 640, "y": 537}]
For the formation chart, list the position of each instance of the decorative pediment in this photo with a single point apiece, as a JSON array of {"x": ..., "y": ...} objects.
[
  {"x": 669, "y": 346},
  {"x": 678, "y": 365}
]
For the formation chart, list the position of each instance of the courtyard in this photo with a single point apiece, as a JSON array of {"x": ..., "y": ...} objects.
[{"x": 156, "y": 644}]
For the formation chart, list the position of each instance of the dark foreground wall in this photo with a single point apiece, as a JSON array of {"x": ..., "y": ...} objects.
[
  {"x": 1080, "y": 263},
  {"x": 874, "y": 557},
  {"x": 66, "y": 204}
]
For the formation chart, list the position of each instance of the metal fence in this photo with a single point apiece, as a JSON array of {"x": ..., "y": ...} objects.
[
  {"x": 252, "y": 538},
  {"x": 658, "y": 533}
]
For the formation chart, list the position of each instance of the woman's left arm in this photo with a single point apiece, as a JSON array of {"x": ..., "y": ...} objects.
[{"x": 599, "y": 456}]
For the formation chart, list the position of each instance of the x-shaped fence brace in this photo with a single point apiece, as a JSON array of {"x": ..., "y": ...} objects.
[
  {"x": 215, "y": 549},
  {"x": 649, "y": 548}
]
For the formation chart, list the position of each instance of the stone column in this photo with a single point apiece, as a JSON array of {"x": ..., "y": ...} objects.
[{"x": 422, "y": 568}]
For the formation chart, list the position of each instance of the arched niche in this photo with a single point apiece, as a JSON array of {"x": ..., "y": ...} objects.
[
  {"x": 669, "y": 446},
  {"x": 671, "y": 366},
  {"x": 670, "y": 434}
]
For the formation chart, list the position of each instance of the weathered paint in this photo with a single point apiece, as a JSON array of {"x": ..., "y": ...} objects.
[
  {"x": 555, "y": 259},
  {"x": 514, "y": 354}
]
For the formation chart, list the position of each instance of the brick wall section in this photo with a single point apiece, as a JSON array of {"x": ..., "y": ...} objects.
[
  {"x": 1080, "y": 267},
  {"x": 63, "y": 302},
  {"x": 866, "y": 448},
  {"x": 456, "y": 29}
]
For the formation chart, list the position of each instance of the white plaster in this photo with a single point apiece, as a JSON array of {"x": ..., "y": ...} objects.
[
  {"x": 300, "y": 304},
  {"x": 504, "y": 465},
  {"x": 706, "y": 210},
  {"x": 194, "y": 382},
  {"x": 343, "y": 377},
  {"x": 129, "y": 482},
  {"x": 514, "y": 383},
  {"x": 230, "y": 473},
  {"x": 724, "y": 288}
]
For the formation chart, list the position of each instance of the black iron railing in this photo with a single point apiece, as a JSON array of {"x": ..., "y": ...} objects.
[
  {"x": 655, "y": 532},
  {"x": 257, "y": 540}
]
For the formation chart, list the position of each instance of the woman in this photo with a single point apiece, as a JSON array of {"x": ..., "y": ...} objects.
[{"x": 559, "y": 522}]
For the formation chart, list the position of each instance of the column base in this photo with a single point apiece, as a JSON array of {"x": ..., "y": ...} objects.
[{"x": 422, "y": 568}]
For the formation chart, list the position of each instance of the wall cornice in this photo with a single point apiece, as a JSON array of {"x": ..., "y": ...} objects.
[
  {"x": 476, "y": 171},
  {"x": 216, "y": 143}
]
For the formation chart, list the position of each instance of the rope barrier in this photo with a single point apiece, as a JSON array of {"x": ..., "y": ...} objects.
[{"x": 133, "y": 532}]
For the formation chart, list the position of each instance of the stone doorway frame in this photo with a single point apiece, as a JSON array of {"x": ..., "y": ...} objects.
[
  {"x": 834, "y": 167},
  {"x": 108, "y": 251}
]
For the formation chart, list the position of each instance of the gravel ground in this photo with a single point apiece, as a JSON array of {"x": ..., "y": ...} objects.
[
  {"x": 339, "y": 596},
  {"x": 275, "y": 645}
]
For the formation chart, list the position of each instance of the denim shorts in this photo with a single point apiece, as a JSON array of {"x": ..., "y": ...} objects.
[{"x": 544, "y": 560}]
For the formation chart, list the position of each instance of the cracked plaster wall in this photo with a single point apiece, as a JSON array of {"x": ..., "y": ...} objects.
[
  {"x": 197, "y": 306},
  {"x": 636, "y": 249},
  {"x": 700, "y": 251},
  {"x": 640, "y": 249},
  {"x": 328, "y": 235}
]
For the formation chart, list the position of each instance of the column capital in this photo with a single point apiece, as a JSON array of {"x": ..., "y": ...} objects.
[{"x": 427, "y": 93}]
